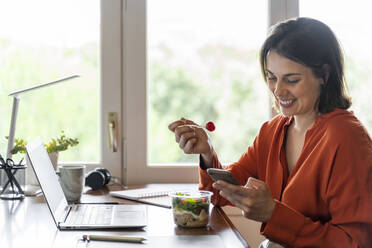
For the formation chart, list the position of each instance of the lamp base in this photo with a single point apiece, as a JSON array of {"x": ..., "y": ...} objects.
[
  {"x": 32, "y": 190},
  {"x": 12, "y": 196}
]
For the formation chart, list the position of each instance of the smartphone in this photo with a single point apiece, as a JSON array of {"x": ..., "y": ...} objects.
[{"x": 221, "y": 174}]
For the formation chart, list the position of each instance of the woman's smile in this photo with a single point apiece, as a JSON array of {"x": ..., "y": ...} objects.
[{"x": 286, "y": 103}]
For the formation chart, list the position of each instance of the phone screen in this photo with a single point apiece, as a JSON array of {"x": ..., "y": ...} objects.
[{"x": 221, "y": 174}]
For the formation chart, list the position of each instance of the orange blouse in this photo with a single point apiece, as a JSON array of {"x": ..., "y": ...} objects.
[{"x": 326, "y": 200}]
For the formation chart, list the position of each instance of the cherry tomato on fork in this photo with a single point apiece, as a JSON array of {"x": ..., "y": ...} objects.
[{"x": 210, "y": 126}]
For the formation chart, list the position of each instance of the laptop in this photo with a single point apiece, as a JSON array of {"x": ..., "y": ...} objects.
[{"x": 79, "y": 216}]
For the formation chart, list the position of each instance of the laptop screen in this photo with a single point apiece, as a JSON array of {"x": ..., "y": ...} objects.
[{"x": 47, "y": 178}]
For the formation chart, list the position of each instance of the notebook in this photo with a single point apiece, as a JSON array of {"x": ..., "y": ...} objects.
[
  {"x": 154, "y": 196},
  {"x": 79, "y": 216}
]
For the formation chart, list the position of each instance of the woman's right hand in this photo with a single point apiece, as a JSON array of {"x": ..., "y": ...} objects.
[{"x": 192, "y": 138}]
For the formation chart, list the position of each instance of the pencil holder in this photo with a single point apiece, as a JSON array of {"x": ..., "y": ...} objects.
[{"x": 12, "y": 180}]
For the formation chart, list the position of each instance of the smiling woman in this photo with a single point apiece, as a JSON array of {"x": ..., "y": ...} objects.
[{"x": 307, "y": 174}]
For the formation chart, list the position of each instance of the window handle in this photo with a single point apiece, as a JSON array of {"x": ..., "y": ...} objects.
[{"x": 113, "y": 131}]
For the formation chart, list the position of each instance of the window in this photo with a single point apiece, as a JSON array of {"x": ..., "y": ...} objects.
[
  {"x": 207, "y": 50},
  {"x": 43, "y": 41},
  {"x": 202, "y": 64},
  {"x": 352, "y": 25},
  {"x": 134, "y": 66}
]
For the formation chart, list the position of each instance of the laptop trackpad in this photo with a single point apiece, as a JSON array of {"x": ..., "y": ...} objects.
[{"x": 131, "y": 215}]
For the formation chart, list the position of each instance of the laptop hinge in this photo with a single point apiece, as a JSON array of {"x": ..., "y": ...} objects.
[{"x": 66, "y": 213}]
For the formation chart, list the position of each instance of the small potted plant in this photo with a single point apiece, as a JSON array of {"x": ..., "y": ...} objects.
[
  {"x": 56, "y": 145},
  {"x": 19, "y": 146},
  {"x": 59, "y": 144}
]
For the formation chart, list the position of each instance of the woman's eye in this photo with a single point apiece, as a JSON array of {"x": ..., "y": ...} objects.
[
  {"x": 271, "y": 79},
  {"x": 293, "y": 81}
]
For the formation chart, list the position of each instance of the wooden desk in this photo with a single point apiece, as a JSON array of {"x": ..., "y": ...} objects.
[{"x": 28, "y": 223}]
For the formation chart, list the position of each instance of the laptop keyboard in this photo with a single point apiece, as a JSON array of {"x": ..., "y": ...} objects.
[{"x": 86, "y": 214}]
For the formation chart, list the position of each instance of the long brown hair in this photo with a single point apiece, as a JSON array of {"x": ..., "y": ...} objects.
[{"x": 311, "y": 43}]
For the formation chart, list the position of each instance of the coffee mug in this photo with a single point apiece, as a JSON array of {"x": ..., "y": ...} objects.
[{"x": 72, "y": 178}]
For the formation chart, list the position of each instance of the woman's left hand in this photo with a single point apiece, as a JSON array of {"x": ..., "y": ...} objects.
[{"x": 254, "y": 198}]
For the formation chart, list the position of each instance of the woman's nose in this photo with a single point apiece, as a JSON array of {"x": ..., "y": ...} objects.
[{"x": 279, "y": 87}]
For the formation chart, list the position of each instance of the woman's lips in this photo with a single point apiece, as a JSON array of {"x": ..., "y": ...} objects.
[{"x": 286, "y": 103}]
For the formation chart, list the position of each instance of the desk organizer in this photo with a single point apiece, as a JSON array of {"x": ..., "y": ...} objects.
[{"x": 10, "y": 187}]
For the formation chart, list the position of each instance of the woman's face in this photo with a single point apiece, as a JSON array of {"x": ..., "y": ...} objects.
[{"x": 295, "y": 87}]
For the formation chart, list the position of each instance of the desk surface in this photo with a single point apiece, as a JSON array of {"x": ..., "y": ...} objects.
[{"x": 29, "y": 222}]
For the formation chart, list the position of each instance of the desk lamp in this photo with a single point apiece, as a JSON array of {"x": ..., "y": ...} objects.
[{"x": 16, "y": 100}]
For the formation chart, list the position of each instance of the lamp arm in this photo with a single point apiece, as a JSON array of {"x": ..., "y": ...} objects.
[
  {"x": 13, "y": 122},
  {"x": 16, "y": 99}
]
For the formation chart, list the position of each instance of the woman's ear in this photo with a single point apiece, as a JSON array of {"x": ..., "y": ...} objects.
[{"x": 326, "y": 71}]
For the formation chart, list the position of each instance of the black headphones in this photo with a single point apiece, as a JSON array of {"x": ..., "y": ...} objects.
[{"x": 97, "y": 178}]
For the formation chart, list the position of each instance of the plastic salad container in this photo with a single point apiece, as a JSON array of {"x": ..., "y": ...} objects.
[{"x": 191, "y": 208}]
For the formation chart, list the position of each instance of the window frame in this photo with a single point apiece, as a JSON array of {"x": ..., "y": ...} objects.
[
  {"x": 110, "y": 60},
  {"x": 111, "y": 83}
]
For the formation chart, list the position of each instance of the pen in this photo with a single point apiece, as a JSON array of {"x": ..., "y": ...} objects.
[
  {"x": 115, "y": 203},
  {"x": 114, "y": 238}
]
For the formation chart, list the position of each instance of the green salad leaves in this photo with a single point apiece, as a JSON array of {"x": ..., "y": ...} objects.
[{"x": 189, "y": 204}]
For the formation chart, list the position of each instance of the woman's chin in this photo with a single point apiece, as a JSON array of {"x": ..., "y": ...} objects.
[{"x": 286, "y": 112}]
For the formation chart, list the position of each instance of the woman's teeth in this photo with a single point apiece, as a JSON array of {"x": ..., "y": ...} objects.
[{"x": 286, "y": 102}]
